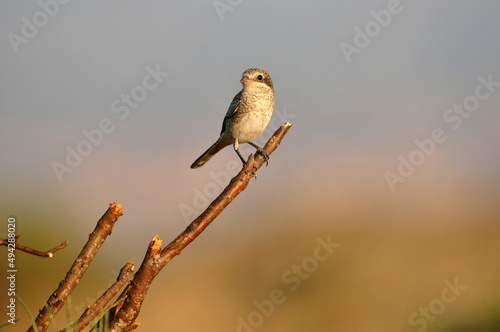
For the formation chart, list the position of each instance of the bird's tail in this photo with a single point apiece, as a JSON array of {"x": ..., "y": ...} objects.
[{"x": 216, "y": 147}]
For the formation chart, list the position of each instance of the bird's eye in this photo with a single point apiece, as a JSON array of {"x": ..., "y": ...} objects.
[{"x": 259, "y": 77}]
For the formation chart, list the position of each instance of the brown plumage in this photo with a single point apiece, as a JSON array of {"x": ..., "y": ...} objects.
[{"x": 247, "y": 117}]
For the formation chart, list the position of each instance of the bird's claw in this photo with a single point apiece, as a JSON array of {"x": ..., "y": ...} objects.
[{"x": 264, "y": 154}]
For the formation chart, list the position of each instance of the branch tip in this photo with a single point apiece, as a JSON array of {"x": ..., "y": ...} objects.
[
  {"x": 116, "y": 209},
  {"x": 156, "y": 244}
]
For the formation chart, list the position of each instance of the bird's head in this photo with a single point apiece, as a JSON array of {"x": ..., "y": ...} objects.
[{"x": 256, "y": 78}]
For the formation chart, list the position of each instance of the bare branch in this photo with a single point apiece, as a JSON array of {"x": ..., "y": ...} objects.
[
  {"x": 139, "y": 288},
  {"x": 79, "y": 267},
  {"x": 155, "y": 259},
  {"x": 99, "y": 306},
  {"x": 235, "y": 187},
  {"x": 29, "y": 250}
]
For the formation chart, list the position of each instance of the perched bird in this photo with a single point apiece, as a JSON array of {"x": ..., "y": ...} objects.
[{"x": 247, "y": 116}]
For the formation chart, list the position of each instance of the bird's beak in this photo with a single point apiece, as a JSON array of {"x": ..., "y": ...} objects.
[{"x": 246, "y": 81}]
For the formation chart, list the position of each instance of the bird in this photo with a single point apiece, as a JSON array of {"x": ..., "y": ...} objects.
[{"x": 247, "y": 117}]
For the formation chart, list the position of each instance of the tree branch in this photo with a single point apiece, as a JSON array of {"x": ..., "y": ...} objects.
[
  {"x": 139, "y": 288},
  {"x": 29, "y": 250},
  {"x": 155, "y": 260},
  {"x": 99, "y": 305},
  {"x": 67, "y": 285}
]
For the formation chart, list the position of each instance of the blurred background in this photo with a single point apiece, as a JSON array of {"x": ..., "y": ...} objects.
[{"x": 114, "y": 100}]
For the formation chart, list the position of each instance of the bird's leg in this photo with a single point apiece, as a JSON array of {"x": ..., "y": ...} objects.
[
  {"x": 235, "y": 146},
  {"x": 261, "y": 151}
]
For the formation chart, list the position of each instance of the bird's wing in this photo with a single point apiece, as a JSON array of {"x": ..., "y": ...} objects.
[{"x": 233, "y": 108}]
